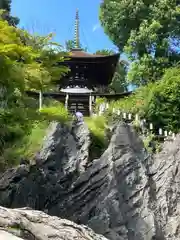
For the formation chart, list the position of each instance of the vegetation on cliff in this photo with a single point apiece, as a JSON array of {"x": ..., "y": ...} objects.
[
  {"x": 27, "y": 62},
  {"x": 98, "y": 133},
  {"x": 158, "y": 102}
]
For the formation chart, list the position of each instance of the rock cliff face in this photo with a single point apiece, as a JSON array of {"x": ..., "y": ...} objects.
[
  {"x": 123, "y": 195},
  {"x": 19, "y": 224}
]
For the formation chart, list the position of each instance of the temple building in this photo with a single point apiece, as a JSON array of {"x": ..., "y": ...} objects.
[{"x": 88, "y": 78}]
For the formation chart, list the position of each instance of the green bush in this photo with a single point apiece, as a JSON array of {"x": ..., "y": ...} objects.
[
  {"x": 26, "y": 147},
  {"x": 56, "y": 112},
  {"x": 135, "y": 103},
  {"x": 151, "y": 143},
  {"x": 164, "y": 106},
  {"x": 23, "y": 135},
  {"x": 97, "y": 126},
  {"x": 158, "y": 103},
  {"x": 14, "y": 124}
]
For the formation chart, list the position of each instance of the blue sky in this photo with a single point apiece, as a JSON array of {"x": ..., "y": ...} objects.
[{"x": 44, "y": 16}]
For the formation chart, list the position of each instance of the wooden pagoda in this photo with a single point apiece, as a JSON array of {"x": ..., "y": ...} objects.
[
  {"x": 89, "y": 75},
  {"x": 88, "y": 70}
]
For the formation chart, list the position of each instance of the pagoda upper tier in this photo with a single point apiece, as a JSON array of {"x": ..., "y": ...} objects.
[{"x": 89, "y": 70}]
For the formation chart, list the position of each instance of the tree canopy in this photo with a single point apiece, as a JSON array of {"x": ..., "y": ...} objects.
[
  {"x": 70, "y": 44},
  {"x": 147, "y": 31},
  {"x": 6, "y": 6},
  {"x": 119, "y": 82},
  {"x": 105, "y": 52}
]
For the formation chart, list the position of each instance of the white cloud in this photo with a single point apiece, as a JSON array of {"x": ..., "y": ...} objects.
[{"x": 96, "y": 27}]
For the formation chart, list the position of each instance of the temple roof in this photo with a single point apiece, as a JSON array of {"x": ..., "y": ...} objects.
[{"x": 80, "y": 53}]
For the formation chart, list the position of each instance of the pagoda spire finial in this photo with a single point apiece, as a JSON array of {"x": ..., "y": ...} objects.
[{"x": 76, "y": 36}]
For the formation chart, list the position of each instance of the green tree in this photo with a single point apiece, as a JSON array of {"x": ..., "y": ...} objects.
[
  {"x": 105, "y": 52},
  {"x": 70, "y": 44},
  {"x": 119, "y": 82},
  {"x": 22, "y": 67},
  {"x": 50, "y": 55},
  {"x": 147, "y": 31},
  {"x": 6, "y": 6}
]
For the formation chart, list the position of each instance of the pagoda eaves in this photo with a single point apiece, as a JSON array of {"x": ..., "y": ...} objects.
[{"x": 79, "y": 53}]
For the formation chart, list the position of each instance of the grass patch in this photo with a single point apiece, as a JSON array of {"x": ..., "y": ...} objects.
[
  {"x": 29, "y": 142},
  {"x": 34, "y": 140},
  {"x": 56, "y": 112},
  {"x": 27, "y": 147},
  {"x": 151, "y": 143},
  {"x": 97, "y": 127}
]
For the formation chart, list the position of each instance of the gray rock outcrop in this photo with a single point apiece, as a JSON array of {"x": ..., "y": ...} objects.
[
  {"x": 124, "y": 194},
  {"x": 19, "y": 224}
]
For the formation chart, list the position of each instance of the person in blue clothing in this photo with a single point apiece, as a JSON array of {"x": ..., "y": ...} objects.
[{"x": 79, "y": 118}]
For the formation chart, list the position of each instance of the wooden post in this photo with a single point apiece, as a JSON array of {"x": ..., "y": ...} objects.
[
  {"x": 40, "y": 99},
  {"x": 90, "y": 104},
  {"x": 66, "y": 101}
]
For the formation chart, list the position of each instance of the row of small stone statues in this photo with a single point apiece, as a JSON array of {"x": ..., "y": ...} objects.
[{"x": 129, "y": 117}]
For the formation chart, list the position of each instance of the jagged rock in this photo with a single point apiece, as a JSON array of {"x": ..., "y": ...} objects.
[
  {"x": 124, "y": 195},
  {"x": 19, "y": 224}
]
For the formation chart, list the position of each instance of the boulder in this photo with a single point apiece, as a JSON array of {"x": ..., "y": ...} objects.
[{"x": 27, "y": 224}]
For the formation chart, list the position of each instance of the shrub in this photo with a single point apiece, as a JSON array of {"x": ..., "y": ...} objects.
[
  {"x": 151, "y": 143},
  {"x": 56, "y": 112},
  {"x": 27, "y": 62},
  {"x": 99, "y": 101},
  {"x": 158, "y": 103},
  {"x": 22, "y": 141},
  {"x": 26, "y": 147},
  {"x": 135, "y": 103},
  {"x": 97, "y": 127},
  {"x": 164, "y": 106}
]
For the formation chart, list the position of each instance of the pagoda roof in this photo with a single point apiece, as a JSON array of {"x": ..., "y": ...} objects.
[{"x": 79, "y": 53}]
